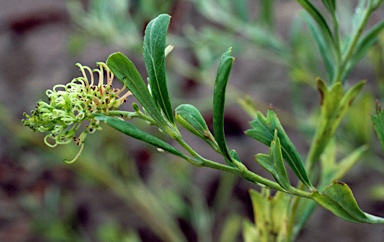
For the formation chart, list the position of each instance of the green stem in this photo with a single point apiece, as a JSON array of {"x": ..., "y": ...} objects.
[
  {"x": 240, "y": 170},
  {"x": 201, "y": 160},
  {"x": 254, "y": 178}
]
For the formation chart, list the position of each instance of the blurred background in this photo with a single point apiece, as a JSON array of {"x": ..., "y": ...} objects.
[{"x": 123, "y": 190}]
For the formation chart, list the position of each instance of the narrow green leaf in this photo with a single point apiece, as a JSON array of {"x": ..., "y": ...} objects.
[
  {"x": 223, "y": 72},
  {"x": 363, "y": 46},
  {"x": 274, "y": 164},
  {"x": 338, "y": 199},
  {"x": 378, "y": 124},
  {"x": 266, "y": 13},
  {"x": 131, "y": 130},
  {"x": 263, "y": 129},
  {"x": 376, "y": 4},
  {"x": 126, "y": 72},
  {"x": 154, "y": 57},
  {"x": 369, "y": 38},
  {"x": 348, "y": 98},
  {"x": 327, "y": 55},
  {"x": 320, "y": 20},
  {"x": 330, "y": 5}
]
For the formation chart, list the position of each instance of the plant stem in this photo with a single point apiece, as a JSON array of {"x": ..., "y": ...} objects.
[{"x": 240, "y": 170}]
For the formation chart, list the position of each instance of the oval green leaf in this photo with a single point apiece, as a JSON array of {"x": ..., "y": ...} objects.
[
  {"x": 191, "y": 119},
  {"x": 338, "y": 199}
]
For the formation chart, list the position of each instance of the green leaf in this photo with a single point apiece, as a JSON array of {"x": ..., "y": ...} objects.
[
  {"x": 271, "y": 216},
  {"x": 330, "y": 5},
  {"x": 263, "y": 129},
  {"x": 279, "y": 213},
  {"x": 378, "y": 124},
  {"x": 249, "y": 232},
  {"x": 191, "y": 119},
  {"x": 348, "y": 99},
  {"x": 369, "y": 38},
  {"x": 320, "y": 20},
  {"x": 133, "y": 131},
  {"x": 267, "y": 8},
  {"x": 327, "y": 55},
  {"x": 223, "y": 72},
  {"x": 274, "y": 164},
  {"x": 330, "y": 171},
  {"x": 338, "y": 199},
  {"x": 330, "y": 98},
  {"x": 376, "y": 4},
  {"x": 234, "y": 155},
  {"x": 154, "y": 57},
  {"x": 334, "y": 106},
  {"x": 262, "y": 214},
  {"x": 126, "y": 72},
  {"x": 364, "y": 44}
]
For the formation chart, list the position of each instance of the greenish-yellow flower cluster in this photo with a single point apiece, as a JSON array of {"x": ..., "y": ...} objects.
[{"x": 71, "y": 104}]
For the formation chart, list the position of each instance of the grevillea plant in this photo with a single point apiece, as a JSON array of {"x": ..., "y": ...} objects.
[{"x": 278, "y": 217}]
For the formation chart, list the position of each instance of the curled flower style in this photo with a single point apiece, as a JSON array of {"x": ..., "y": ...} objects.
[{"x": 71, "y": 104}]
